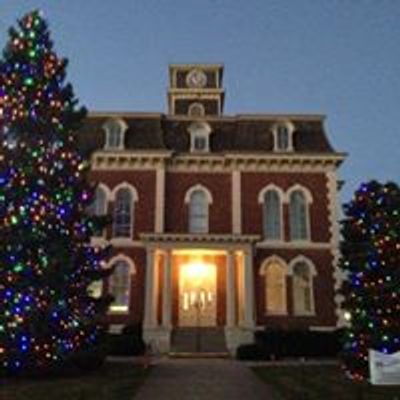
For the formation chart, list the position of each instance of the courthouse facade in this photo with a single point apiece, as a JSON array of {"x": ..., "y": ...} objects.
[{"x": 219, "y": 221}]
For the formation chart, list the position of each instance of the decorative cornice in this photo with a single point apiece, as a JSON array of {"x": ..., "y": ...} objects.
[
  {"x": 199, "y": 238},
  {"x": 117, "y": 160},
  {"x": 225, "y": 162},
  {"x": 295, "y": 245}
]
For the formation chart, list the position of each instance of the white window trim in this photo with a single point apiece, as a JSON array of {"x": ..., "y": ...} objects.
[
  {"x": 263, "y": 272},
  {"x": 313, "y": 274},
  {"x": 132, "y": 270},
  {"x": 199, "y": 129},
  {"x": 107, "y": 193},
  {"x": 290, "y": 127},
  {"x": 209, "y": 199},
  {"x": 281, "y": 194},
  {"x": 309, "y": 200},
  {"x": 196, "y": 104},
  {"x": 123, "y": 126},
  {"x": 135, "y": 199},
  {"x": 195, "y": 188}
]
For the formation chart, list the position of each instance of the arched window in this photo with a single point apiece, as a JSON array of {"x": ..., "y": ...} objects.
[
  {"x": 196, "y": 110},
  {"x": 303, "y": 299},
  {"x": 274, "y": 272},
  {"x": 198, "y": 212},
  {"x": 123, "y": 213},
  {"x": 272, "y": 215},
  {"x": 119, "y": 286},
  {"x": 100, "y": 202},
  {"x": 298, "y": 216}
]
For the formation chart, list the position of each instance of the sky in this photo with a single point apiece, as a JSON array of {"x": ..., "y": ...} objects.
[{"x": 335, "y": 57}]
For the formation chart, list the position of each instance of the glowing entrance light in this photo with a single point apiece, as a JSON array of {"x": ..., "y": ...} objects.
[
  {"x": 198, "y": 273},
  {"x": 198, "y": 292}
]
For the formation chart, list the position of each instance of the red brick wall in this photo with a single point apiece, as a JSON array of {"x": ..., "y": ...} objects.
[
  {"x": 145, "y": 185},
  {"x": 323, "y": 290},
  {"x": 176, "y": 211},
  {"x": 316, "y": 183}
]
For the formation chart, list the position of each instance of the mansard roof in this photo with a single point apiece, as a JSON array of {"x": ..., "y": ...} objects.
[{"x": 239, "y": 133}]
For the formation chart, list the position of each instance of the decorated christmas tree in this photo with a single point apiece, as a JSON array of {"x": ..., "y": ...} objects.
[
  {"x": 371, "y": 265},
  {"x": 47, "y": 313}
]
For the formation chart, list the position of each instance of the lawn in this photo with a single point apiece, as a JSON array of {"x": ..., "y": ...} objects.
[
  {"x": 320, "y": 382},
  {"x": 113, "y": 381}
]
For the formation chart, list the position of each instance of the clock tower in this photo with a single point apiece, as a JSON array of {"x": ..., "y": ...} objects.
[{"x": 195, "y": 90}]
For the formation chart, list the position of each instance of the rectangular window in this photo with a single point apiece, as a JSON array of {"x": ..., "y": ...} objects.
[{"x": 200, "y": 143}]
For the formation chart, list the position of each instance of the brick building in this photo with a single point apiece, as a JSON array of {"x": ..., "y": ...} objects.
[{"x": 219, "y": 221}]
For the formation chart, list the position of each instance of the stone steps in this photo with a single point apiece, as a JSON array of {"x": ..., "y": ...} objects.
[{"x": 198, "y": 341}]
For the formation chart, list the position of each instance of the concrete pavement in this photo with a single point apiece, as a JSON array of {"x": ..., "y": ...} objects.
[{"x": 198, "y": 379}]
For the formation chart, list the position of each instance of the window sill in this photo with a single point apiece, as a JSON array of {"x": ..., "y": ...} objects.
[
  {"x": 121, "y": 241},
  {"x": 118, "y": 312}
]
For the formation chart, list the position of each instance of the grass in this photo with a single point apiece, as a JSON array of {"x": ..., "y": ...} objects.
[
  {"x": 113, "y": 381},
  {"x": 321, "y": 382}
]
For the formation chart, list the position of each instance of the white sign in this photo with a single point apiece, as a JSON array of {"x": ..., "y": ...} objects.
[{"x": 384, "y": 368}]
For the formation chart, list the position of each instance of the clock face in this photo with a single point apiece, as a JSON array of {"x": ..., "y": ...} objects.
[{"x": 196, "y": 79}]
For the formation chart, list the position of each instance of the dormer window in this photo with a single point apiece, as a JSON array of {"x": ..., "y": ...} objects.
[
  {"x": 283, "y": 136},
  {"x": 115, "y": 134},
  {"x": 199, "y": 137},
  {"x": 196, "y": 110}
]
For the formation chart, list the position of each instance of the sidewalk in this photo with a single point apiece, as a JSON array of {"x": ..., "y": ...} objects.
[{"x": 197, "y": 379}]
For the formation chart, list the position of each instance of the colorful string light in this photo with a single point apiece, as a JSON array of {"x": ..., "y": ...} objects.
[
  {"x": 371, "y": 263},
  {"x": 46, "y": 259}
]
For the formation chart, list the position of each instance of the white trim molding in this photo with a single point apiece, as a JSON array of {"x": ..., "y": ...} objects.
[
  {"x": 271, "y": 186},
  {"x": 261, "y": 200},
  {"x": 308, "y": 200},
  {"x": 160, "y": 200},
  {"x": 236, "y": 202},
  {"x": 106, "y": 190},
  {"x": 199, "y": 130},
  {"x": 312, "y": 274},
  {"x": 264, "y": 273},
  {"x": 132, "y": 271},
  {"x": 302, "y": 188},
  {"x": 195, "y": 188},
  {"x": 338, "y": 275},
  {"x": 286, "y": 124},
  {"x": 302, "y": 259},
  {"x": 125, "y": 185},
  {"x": 121, "y": 126}
]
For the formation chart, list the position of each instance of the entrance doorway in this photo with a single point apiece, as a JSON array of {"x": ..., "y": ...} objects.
[{"x": 197, "y": 293}]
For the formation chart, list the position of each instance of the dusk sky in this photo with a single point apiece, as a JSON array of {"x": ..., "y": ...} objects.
[{"x": 336, "y": 57}]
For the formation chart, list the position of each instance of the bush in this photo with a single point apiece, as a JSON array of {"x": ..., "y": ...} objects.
[
  {"x": 249, "y": 352},
  {"x": 128, "y": 343},
  {"x": 277, "y": 344}
]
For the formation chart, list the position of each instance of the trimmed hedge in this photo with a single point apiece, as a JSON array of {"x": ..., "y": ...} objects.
[
  {"x": 276, "y": 344},
  {"x": 128, "y": 343}
]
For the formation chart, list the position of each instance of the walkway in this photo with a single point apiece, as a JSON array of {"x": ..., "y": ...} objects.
[{"x": 197, "y": 379}]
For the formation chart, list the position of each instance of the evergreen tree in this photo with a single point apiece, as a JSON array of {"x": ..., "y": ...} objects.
[
  {"x": 47, "y": 313},
  {"x": 371, "y": 265}
]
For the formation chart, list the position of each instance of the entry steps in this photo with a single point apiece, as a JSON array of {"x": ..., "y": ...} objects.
[{"x": 198, "y": 342}]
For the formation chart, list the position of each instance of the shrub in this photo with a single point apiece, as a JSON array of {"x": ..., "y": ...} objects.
[
  {"x": 279, "y": 344},
  {"x": 249, "y": 352},
  {"x": 128, "y": 343}
]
